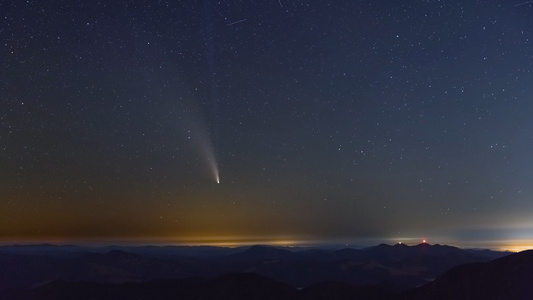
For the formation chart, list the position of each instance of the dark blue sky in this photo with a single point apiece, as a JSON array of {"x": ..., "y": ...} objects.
[{"x": 325, "y": 121}]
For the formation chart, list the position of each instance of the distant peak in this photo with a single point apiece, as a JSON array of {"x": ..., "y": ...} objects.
[
  {"x": 266, "y": 248},
  {"x": 261, "y": 247},
  {"x": 116, "y": 252}
]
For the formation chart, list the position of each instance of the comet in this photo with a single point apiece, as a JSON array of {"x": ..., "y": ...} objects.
[
  {"x": 197, "y": 136},
  {"x": 207, "y": 152},
  {"x": 212, "y": 165}
]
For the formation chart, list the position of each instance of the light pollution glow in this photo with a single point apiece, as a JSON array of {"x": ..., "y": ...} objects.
[{"x": 513, "y": 245}]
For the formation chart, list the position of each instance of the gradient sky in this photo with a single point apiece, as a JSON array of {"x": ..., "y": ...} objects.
[{"x": 325, "y": 121}]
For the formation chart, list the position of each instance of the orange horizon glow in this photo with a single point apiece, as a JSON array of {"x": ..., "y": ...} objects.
[{"x": 283, "y": 241}]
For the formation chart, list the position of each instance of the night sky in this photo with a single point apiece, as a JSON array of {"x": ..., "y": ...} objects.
[{"x": 324, "y": 121}]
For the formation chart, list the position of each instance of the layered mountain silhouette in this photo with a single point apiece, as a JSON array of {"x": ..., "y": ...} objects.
[
  {"x": 509, "y": 277},
  {"x": 233, "y": 286},
  {"x": 261, "y": 272}
]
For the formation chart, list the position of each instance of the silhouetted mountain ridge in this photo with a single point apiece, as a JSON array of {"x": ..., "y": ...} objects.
[
  {"x": 509, "y": 277},
  {"x": 261, "y": 252},
  {"x": 398, "y": 266},
  {"x": 234, "y": 286}
]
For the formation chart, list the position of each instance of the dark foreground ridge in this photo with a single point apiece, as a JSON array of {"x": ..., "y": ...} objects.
[
  {"x": 509, "y": 277},
  {"x": 262, "y": 272},
  {"x": 234, "y": 286}
]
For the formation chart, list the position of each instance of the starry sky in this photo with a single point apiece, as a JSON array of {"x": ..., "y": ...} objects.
[{"x": 324, "y": 121}]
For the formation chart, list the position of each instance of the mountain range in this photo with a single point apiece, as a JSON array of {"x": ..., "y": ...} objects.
[{"x": 257, "y": 272}]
